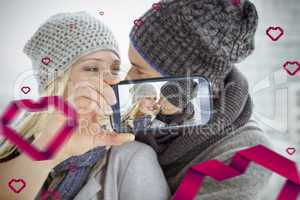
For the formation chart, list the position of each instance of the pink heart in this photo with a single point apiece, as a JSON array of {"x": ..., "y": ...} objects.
[
  {"x": 290, "y": 150},
  {"x": 274, "y": 33},
  {"x": 156, "y": 6},
  {"x": 292, "y": 67},
  {"x": 16, "y": 185},
  {"x": 15, "y": 138},
  {"x": 46, "y": 60},
  {"x": 25, "y": 89},
  {"x": 138, "y": 22},
  {"x": 236, "y": 2}
]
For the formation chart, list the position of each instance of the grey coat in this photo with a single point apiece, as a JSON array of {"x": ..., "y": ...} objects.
[{"x": 133, "y": 172}]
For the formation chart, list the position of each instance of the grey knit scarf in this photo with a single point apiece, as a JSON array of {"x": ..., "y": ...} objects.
[
  {"x": 73, "y": 179},
  {"x": 232, "y": 109}
]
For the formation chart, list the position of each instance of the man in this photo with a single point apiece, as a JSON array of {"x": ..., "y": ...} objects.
[
  {"x": 203, "y": 38},
  {"x": 175, "y": 103}
]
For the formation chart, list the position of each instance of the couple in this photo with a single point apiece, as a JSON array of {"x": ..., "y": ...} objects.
[
  {"x": 174, "y": 106},
  {"x": 185, "y": 37}
]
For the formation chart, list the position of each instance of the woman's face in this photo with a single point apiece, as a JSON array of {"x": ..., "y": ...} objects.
[
  {"x": 88, "y": 74},
  {"x": 147, "y": 105}
]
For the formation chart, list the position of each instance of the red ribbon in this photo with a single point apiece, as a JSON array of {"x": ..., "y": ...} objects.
[{"x": 192, "y": 182}]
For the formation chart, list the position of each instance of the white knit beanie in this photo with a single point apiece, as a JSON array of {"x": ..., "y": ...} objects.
[
  {"x": 142, "y": 90},
  {"x": 64, "y": 38}
]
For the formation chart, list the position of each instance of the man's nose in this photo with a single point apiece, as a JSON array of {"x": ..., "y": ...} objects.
[
  {"x": 129, "y": 74},
  {"x": 126, "y": 77}
]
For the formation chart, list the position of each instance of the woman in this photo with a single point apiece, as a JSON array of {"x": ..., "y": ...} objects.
[
  {"x": 79, "y": 64},
  {"x": 143, "y": 109}
]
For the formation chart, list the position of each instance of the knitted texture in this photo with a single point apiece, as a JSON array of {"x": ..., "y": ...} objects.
[
  {"x": 62, "y": 39},
  {"x": 177, "y": 147},
  {"x": 142, "y": 90},
  {"x": 233, "y": 111},
  {"x": 72, "y": 181},
  {"x": 179, "y": 92},
  {"x": 199, "y": 37},
  {"x": 239, "y": 188}
]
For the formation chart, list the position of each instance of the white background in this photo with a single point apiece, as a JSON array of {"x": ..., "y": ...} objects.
[{"x": 19, "y": 20}]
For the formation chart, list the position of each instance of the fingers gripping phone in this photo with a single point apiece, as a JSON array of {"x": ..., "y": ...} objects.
[{"x": 161, "y": 103}]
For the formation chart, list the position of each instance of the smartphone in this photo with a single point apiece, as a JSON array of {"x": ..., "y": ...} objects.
[{"x": 161, "y": 103}]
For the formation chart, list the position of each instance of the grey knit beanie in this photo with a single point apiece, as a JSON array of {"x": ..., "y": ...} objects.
[
  {"x": 179, "y": 92},
  {"x": 142, "y": 90},
  {"x": 203, "y": 37},
  {"x": 64, "y": 38}
]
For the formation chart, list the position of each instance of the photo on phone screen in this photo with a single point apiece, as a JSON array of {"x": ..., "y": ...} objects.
[{"x": 161, "y": 103}]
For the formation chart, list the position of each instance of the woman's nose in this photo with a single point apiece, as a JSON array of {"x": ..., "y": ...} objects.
[
  {"x": 157, "y": 105},
  {"x": 112, "y": 79},
  {"x": 159, "y": 102}
]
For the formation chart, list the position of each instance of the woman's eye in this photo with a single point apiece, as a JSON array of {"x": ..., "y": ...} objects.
[
  {"x": 115, "y": 71},
  {"x": 91, "y": 69},
  {"x": 151, "y": 98}
]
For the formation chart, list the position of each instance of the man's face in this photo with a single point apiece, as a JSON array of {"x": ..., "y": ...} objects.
[
  {"x": 166, "y": 108},
  {"x": 140, "y": 69}
]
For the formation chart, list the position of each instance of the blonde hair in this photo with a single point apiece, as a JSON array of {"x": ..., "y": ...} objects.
[
  {"x": 132, "y": 111},
  {"x": 131, "y": 114},
  {"x": 33, "y": 124}
]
